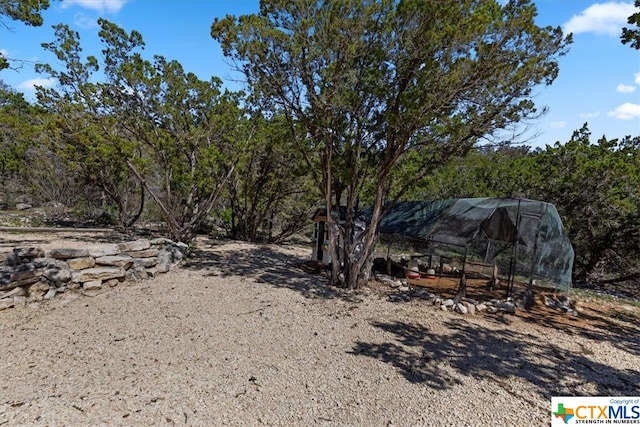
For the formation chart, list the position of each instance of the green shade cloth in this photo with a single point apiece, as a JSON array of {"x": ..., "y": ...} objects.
[{"x": 487, "y": 228}]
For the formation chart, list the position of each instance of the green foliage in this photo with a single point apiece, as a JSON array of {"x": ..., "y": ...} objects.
[
  {"x": 270, "y": 192},
  {"x": 594, "y": 186},
  {"x": 150, "y": 125},
  {"x": 632, "y": 35},
  {"x": 82, "y": 134},
  {"x": 26, "y": 11},
  {"x": 17, "y": 128}
]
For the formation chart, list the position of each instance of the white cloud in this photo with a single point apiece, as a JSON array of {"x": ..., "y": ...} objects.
[
  {"x": 636, "y": 78},
  {"x": 592, "y": 115},
  {"x": 601, "y": 18},
  {"x": 4, "y": 53},
  {"x": 626, "y": 111},
  {"x": 558, "y": 125},
  {"x": 109, "y": 6},
  {"x": 85, "y": 22},
  {"x": 625, "y": 88},
  {"x": 31, "y": 84}
]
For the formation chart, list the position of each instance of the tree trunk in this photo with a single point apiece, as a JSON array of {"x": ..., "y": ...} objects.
[{"x": 360, "y": 271}]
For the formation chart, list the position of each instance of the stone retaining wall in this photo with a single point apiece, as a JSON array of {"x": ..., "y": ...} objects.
[{"x": 30, "y": 274}]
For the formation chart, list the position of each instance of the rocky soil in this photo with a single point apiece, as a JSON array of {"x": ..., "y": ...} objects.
[{"x": 240, "y": 335}]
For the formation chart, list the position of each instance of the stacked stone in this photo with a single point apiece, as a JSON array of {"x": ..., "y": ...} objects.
[{"x": 28, "y": 274}]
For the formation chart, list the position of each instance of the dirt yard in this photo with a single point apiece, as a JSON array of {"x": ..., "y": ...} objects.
[{"x": 240, "y": 335}]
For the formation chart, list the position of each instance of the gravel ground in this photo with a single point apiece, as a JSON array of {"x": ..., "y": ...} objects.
[{"x": 241, "y": 336}]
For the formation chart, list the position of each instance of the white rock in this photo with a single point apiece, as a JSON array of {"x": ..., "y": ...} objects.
[
  {"x": 147, "y": 253},
  {"x": 136, "y": 245},
  {"x": 124, "y": 261},
  {"x": 19, "y": 301},
  {"x": 92, "y": 285},
  {"x": 111, "y": 282},
  {"x": 509, "y": 307},
  {"x": 15, "y": 292},
  {"x": 145, "y": 262},
  {"x": 460, "y": 308},
  {"x": 51, "y": 293},
  {"x": 98, "y": 273},
  {"x": 104, "y": 250},
  {"x": 161, "y": 241},
  {"x": 6, "y": 303}
]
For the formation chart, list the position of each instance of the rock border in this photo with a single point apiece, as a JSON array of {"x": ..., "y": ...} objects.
[
  {"x": 28, "y": 274},
  {"x": 404, "y": 293}
]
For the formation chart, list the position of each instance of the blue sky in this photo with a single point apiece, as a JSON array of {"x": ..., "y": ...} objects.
[{"x": 599, "y": 79}]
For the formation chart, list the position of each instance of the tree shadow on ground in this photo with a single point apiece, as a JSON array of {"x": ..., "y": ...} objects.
[
  {"x": 471, "y": 350},
  {"x": 606, "y": 323},
  {"x": 267, "y": 264}
]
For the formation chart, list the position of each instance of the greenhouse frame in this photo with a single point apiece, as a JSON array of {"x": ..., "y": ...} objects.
[{"x": 524, "y": 239}]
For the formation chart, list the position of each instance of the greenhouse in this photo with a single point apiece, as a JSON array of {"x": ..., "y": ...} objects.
[{"x": 521, "y": 241}]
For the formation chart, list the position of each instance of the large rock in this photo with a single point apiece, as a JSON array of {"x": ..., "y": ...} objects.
[
  {"x": 67, "y": 253},
  {"x": 19, "y": 301},
  {"x": 183, "y": 247},
  {"x": 23, "y": 282},
  {"x": 162, "y": 241},
  {"x": 29, "y": 252},
  {"x": 140, "y": 273},
  {"x": 37, "y": 290},
  {"x": 92, "y": 285},
  {"x": 471, "y": 308},
  {"x": 6, "y": 303},
  {"x": 5, "y": 275},
  {"x": 460, "y": 308},
  {"x": 15, "y": 292},
  {"x": 136, "y": 245},
  {"x": 164, "y": 261},
  {"x": 124, "y": 261},
  {"x": 508, "y": 307},
  {"x": 111, "y": 282},
  {"x": 57, "y": 274},
  {"x": 39, "y": 287},
  {"x": 51, "y": 293},
  {"x": 81, "y": 263},
  {"x": 104, "y": 250},
  {"x": 12, "y": 259},
  {"x": 147, "y": 253},
  {"x": 98, "y": 273},
  {"x": 10, "y": 277},
  {"x": 145, "y": 262},
  {"x": 47, "y": 262}
]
